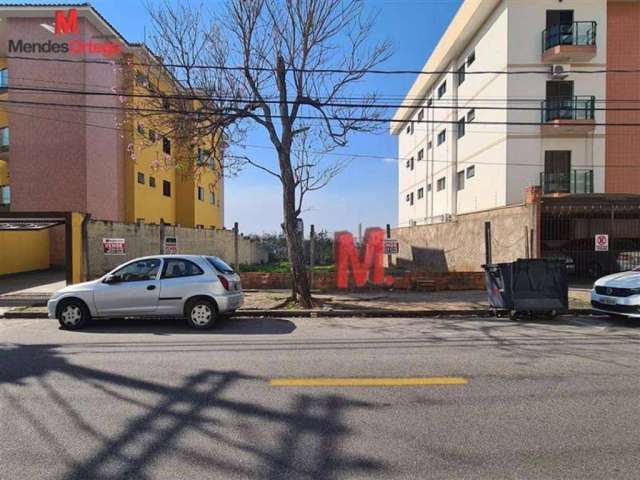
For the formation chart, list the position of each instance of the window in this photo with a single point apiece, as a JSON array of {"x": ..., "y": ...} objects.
[
  {"x": 212, "y": 198},
  {"x": 461, "y": 128},
  {"x": 138, "y": 271},
  {"x": 408, "y": 164},
  {"x": 441, "y": 184},
  {"x": 410, "y": 129},
  {"x": 141, "y": 79},
  {"x": 177, "y": 267},
  {"x": 141, "y": 178},
  {"x": 412, "y": 163},
  {"x": 152, "y": 136},
  {"x": 420, "y": 155},
  {"x": 166, "y": 188},
  {"x": 166, "y": 145},
  {"x": 428, "y": 187},
  {"x": 471, "y": 58},
  {"x": 471, "y": 115},
  {"x": 201, "y": 194},
  {"x": 408, "y": 197},
  {"x": 442, "y": 89},
  {"x": 219, "y": 265},
  {"x": 429, "y": 145},
  {"x": 421, "y": 115},
  {"x": 141, "y": 128},
  {"x": 460, "y": 181},
  {"x": 5, "y": 195},
  {"x": 152, "y": 182},
  {"x": 429, "y": 102},
  {"x": 211, "y": 162},
  {"x": 461, "y": 75},
  {"x": 471, "y": 171},
  {"x": 442, "y": 137},
  {"x": 420, "y": 193},
  {"x": 411, "y": 198}
]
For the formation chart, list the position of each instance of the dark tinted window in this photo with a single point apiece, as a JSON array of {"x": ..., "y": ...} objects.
[
  {"x": 166, "y": 188},
  {"x": 178, "y": 267},
  {"x": 219, "y": 265},
  {"x": 139, "y": 271}
]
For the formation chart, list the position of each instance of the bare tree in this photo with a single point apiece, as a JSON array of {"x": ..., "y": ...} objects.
[{"x": 284, "y": 66}]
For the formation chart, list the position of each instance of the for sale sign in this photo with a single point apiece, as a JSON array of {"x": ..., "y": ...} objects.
[
  {"x": 602, "y": 242},
  {"x": 114, "y": 246},
  {"x": 170, "y": 245},
  {"x": 391, "y": 246}
]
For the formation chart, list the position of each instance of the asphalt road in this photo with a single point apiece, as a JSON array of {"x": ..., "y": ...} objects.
[{"x": 154, "y": 400}]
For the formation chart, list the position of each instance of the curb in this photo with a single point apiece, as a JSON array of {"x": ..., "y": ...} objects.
[{"x": 342, "y": 313}]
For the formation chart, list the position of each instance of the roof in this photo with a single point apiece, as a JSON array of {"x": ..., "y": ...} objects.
[{"x": 470, "y": 17}]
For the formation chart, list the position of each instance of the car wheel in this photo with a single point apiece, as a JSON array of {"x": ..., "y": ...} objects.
[
  {"x": 73, "y": 314},
  {"x": 201, "y": 314}
]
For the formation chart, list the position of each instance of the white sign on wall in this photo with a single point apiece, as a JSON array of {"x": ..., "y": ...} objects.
[
  {"x": 391, "y": 246},
  {"x": 602, "y": 242},
  {"x": 170, "y": 245}
]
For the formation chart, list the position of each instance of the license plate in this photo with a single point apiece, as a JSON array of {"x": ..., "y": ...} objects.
[{"x": 609, "y": 301}]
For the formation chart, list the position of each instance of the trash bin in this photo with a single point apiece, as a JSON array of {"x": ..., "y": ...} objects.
[{"x": 528, "y": 286}]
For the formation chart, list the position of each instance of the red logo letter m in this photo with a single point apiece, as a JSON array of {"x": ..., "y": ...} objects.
[
  {"x": 66, "y": 24},
  {"x": 370, "y": 268}
]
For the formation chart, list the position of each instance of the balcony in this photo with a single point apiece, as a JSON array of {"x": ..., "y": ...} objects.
[
  {"x": 574, "y": 181},
  {"x": 5, "y": 197},
  {"x": 568, "y": 116},
  {"x": 572, "y": 43}
]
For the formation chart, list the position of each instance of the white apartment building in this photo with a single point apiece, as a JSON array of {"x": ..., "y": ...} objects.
[{"x": 469, "y": 142}]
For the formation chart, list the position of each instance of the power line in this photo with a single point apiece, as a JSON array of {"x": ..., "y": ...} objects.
[
  {"x": 277, "y": 102},
  {"x": 362, "y": 156},
  {"x": 317, "y": 70}
]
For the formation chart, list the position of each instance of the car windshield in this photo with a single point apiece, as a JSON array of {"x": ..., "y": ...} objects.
[{"x": 220, "y": 265}]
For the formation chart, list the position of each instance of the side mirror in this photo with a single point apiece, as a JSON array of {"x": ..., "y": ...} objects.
[{"x": 111, "y": 279}]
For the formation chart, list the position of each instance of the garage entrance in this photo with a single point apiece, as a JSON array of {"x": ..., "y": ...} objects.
[{"x": 24, "y": 247}]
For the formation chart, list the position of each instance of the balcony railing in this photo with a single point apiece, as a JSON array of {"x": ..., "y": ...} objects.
[
  {"x": 575, "y": 181},
  {"x": 573, "y": 108},
  {"x": 577, "y": 33},
  {"x": 5, "y": 196}
]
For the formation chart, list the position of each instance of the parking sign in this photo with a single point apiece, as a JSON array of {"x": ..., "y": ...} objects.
[{"x": 602, "y": 242}]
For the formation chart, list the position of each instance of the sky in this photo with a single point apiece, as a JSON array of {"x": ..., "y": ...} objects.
[{"x": 366, "y": 192}]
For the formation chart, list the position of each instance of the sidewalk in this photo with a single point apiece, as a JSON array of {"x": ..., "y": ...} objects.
[{"x": 372, "y": 303}]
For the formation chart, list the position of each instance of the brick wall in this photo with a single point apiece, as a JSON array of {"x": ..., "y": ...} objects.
[
  {"x": 326, "y": 281},
  {"x": 622, "y": 143}
]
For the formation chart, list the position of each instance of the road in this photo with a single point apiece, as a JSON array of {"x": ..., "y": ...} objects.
[{"x": 154, "y": 400}]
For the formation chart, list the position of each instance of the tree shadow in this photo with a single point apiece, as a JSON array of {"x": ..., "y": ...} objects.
[
  {"x": 167, "y": 326},
  {"x": 304, "y": 442}
]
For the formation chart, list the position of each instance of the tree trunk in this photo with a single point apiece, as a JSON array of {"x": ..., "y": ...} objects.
[{"x": 299, "y": 277}]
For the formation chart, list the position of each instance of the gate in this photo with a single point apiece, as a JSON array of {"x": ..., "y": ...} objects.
[{"x": 569, "y": 226}]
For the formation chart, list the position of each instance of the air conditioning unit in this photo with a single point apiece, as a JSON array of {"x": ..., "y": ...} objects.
[{"x": 560, "y": 71}]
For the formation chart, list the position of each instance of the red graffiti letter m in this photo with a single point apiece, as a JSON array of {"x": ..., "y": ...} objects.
[
  {"x": 66, "y": 24},
  {"x": 370, "y": 267}
]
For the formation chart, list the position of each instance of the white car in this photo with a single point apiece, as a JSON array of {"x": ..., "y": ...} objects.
[
  {"x": 618, "y": 294},
  {"x": 193, "y": 286}
]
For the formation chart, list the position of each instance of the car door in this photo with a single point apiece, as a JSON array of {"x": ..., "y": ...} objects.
[
  {"x": 180, "y": 279},
  {"x": 132, "y": 290}
]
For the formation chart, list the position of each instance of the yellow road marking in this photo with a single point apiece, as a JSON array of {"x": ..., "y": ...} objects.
[{"x": 366, "y": 382}]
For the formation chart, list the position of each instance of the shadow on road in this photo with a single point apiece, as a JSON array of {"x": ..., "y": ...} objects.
[
  {"x": 301, "y": 441},
  {"x": 166, "y": 326}
]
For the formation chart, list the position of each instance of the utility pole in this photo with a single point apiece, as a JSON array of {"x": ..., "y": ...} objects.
[
  {"x": 487, "y": 242},
  {"x": 312, "y": 253},
  {"x": 236, "y": 256}
]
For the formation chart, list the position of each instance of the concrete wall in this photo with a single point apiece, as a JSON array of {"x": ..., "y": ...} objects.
[
  {"x": 144, "y": 239},
  {"x": 459, "y": 245},
  {"x": 24, "y": 251}
]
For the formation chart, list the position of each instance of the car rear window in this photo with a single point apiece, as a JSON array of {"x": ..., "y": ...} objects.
[{"x": 220, "y": 265}]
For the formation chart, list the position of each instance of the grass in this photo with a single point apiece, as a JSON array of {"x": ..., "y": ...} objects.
[{"x": 281, "y": 267}]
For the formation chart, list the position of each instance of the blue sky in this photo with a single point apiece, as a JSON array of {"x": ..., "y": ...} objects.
[{"x": 366, "y": 192}]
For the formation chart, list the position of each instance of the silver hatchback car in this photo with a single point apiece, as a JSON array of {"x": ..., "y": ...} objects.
[{"x": 196, "y": 287}]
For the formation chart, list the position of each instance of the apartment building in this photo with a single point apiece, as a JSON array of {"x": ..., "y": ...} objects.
[
  {"x": 470, "y": 142},
  {"x": 65, "y": 148}
]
